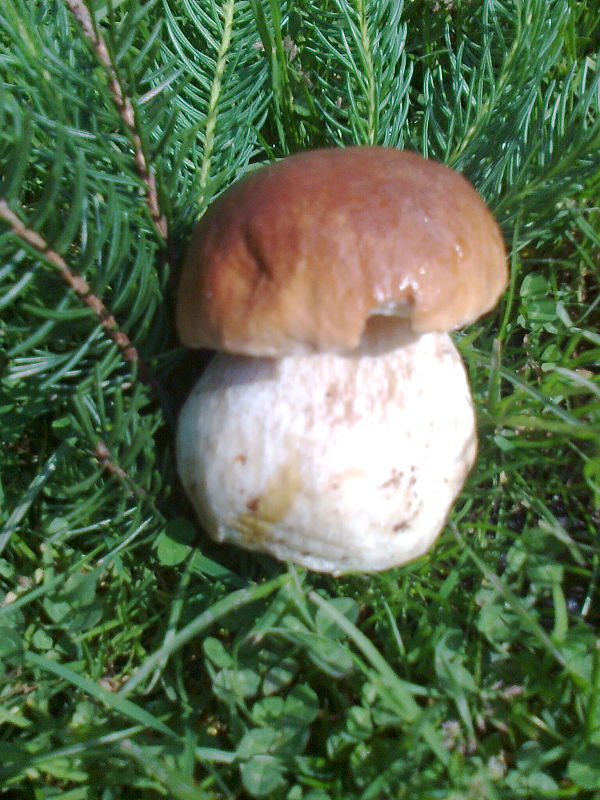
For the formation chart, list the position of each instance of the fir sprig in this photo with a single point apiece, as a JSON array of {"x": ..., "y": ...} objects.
[
  {"x": 221, "y": 103},
  {"x": 363, "y": 73},
  {"x": 124, "y": 105},
  {"x": 78, "y": 284}
]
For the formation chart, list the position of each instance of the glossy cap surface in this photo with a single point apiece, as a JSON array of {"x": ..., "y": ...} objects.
[{"x": 297, "y": 256}]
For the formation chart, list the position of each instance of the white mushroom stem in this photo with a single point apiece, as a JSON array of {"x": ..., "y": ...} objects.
[{"x": 340, "y": 463}]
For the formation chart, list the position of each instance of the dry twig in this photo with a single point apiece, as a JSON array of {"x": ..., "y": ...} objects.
[
  {"x": 105, "y": 459},
  {"x": 79, "y": 285},
  {"x": 125, "y": 109}
]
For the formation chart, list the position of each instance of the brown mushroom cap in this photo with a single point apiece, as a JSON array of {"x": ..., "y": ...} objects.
[{"x": 298, "y": 255}]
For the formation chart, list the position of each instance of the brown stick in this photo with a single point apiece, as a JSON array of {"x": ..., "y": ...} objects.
[
  {"x": 79, "y": 285},
  {"x": 104, "y": 457},
  {"x": 126, "y": 111}
]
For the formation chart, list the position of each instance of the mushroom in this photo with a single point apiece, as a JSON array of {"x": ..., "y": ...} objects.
[{"x": 335, "y": 427}]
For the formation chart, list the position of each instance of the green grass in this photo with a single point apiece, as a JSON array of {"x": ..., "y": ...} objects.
[{"x": 137, "y": 659}]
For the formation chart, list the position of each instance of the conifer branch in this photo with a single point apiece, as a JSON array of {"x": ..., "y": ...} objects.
[
  {"x": 78, "y": 284},
  {"x": 215, "y": 93},
  {"x": 369, "y": 68},
  {"x": 102, "y": 453},
  {"x": 126, "y": 111},
  {"x": 105, "y": 459}
]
